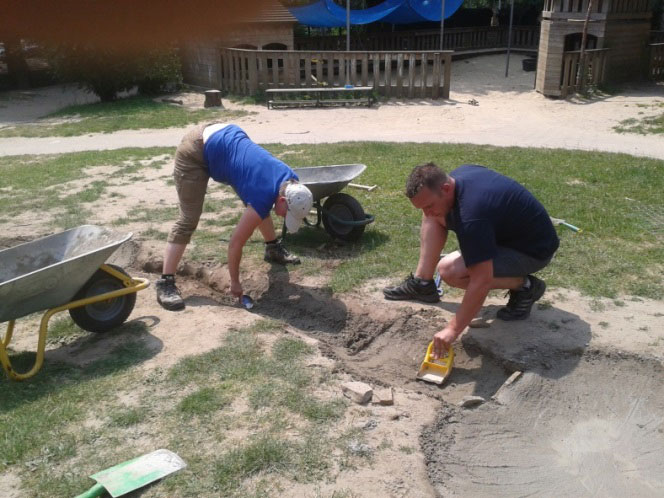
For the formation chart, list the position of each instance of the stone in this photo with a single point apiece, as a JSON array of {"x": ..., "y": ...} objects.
[
  {"x": 358, "y": 392},
  {"x": 471, "y": 401},
  {"x": 501, "y": 396},
  {"x": 383, "y": 396},
  {"x": 479, "y": 323},
  {"x": 357, "y": 448}
]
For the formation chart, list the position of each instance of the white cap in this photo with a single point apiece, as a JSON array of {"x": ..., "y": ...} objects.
[{"x": 299, "y": 200}]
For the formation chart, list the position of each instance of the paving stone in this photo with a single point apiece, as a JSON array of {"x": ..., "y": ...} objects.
[
  {"x": 383, "y": 396},
  {"x": 359, "y": 392}
]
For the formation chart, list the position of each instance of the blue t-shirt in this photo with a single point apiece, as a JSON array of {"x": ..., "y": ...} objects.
[
  {"x": 255, "y": 174},
  {"x": 491, "y": 210}
]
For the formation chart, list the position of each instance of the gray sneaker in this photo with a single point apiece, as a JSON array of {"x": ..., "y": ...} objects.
[
  {"x": 168, "y": 294},
  {"x": 413, "y": 289},
  {"x": 277, "y": 253}
]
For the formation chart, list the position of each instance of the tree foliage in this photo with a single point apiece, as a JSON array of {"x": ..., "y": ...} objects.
[{"x": 107, "y": 71}]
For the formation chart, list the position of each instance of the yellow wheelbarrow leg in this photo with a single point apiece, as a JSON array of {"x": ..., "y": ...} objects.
[
  {"x": 436, "y": 371},
  {"x": 132, "y": 285}
]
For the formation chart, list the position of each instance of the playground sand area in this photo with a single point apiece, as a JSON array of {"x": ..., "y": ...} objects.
[{"x": 571, "y": 399}]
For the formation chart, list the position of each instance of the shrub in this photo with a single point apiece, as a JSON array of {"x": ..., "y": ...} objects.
[{"x": 106, "y": 71}]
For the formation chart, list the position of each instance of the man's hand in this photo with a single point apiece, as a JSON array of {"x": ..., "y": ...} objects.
[
  {"x": 442, "y": 341},
  {"x": 236, "y": 289}
]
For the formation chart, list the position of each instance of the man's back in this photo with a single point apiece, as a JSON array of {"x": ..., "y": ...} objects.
[{"x": 492, "y": 210}]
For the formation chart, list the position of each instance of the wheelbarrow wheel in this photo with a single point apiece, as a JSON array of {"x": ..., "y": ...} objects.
[
  {"x": 105, "y": 315},
  {"x": 344, "y": 208}
]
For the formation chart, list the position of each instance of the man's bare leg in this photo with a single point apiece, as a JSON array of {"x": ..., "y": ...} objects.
[
  {"x": 432, "y": 240},
  {"x": 454, "y": 273},
  {"x": 172, "y": 256}
]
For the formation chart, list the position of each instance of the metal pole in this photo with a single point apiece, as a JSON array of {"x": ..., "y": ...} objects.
[
  {"x": 347, "y": 64},
  {"x": 509, "y": 39},
  {"x": 442, "y": 22}
]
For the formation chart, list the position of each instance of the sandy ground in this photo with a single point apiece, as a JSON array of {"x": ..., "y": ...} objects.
[
  {"x": 484, "y": 108},
  {"x": 583, "y": 419}
]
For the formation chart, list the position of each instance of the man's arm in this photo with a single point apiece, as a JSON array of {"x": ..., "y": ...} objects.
[
  {"x": 479, "y": 284},
  {"x": 433, "y": 236},
  {"x": 245, "y": 227}
]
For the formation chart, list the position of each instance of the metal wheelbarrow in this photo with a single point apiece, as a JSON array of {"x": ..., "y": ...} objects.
[
  {"x": 65, "y": 271},
  {"x": 342, "y": 215}
]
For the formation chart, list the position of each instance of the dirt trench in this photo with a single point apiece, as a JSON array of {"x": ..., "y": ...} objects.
[{"x": 578, "y": 421}]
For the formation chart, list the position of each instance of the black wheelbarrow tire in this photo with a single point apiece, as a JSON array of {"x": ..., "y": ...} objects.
[
  {"x": 345, "y": 208},
  {"x": 103, "y": 315}
]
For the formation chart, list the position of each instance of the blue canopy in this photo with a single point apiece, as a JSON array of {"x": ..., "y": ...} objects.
[{"x": 327, "y": 14}]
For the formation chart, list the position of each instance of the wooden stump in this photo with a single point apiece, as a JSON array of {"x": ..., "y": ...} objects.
[{"x": 212, "y": 98}]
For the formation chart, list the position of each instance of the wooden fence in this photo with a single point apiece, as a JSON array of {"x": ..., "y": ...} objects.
[
  {"x": 393, "y": 73},
  {"x": 656, "y": 68},
  {"x": 458, "y": 39},
  {"x": 595, "y": 64}
]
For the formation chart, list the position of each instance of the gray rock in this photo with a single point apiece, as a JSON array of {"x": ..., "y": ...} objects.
[{"x": 471, "y": 401}]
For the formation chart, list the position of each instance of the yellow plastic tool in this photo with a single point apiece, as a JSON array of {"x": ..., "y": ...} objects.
[{"x": 436, "y": 371}]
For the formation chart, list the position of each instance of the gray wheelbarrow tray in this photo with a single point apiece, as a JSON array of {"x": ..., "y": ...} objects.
[
  {"x": 341, "y": 214},
  {"x": 48, "y": 273}
]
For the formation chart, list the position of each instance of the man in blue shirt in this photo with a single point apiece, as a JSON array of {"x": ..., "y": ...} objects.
[
  {"x": 504, "y": 235},
  {"x": 225, "y": 153}
]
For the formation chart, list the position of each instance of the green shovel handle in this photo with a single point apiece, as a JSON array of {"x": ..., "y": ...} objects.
[{"x": 96, "y": 490}]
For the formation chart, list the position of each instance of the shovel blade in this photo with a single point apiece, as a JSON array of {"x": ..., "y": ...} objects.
[{"x": 133, "y": 474}]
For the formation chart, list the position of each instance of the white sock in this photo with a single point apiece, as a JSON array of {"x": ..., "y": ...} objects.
[{"x": 526, "y": 283}]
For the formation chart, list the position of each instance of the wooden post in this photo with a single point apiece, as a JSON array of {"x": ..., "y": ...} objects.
[
  {"x": 212, "y": 98},
  {"x": 581, "y": 74}
]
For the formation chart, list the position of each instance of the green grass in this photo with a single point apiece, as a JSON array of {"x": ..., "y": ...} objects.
[
  {"x": 132, "y": 113},
  {"x": 614, "y": 198},
  {"x": 62, "y": 330},
  {"x": 645, "y": 125},
  {"x": 39, "y": 183},
  {"x": 68, "y": 422}
]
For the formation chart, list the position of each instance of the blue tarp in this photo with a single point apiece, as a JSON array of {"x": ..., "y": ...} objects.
[{"x": 327, "y": 14}]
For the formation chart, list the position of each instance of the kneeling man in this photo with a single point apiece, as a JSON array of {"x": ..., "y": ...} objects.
[{"x": 505, "y": 235}]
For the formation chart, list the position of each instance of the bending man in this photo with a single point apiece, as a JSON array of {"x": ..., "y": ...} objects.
[
  {"x": 505, "y": 235},
  {"x": 225, "y": 153}
]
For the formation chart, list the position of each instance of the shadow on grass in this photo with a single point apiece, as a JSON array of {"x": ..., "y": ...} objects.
[
  {"x": 317, "y": 243},
  {"x": 112, "y": 352}
]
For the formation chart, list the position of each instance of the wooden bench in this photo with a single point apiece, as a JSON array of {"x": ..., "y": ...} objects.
[{"x": 319, "y": 96}]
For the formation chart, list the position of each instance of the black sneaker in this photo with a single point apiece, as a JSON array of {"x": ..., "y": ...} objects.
[
  {"x": 521, "y": 301},
  {"x": 277, "y": 253},
  {"x": 168, "y": 294},
  {"x": 413, "y": 288}
]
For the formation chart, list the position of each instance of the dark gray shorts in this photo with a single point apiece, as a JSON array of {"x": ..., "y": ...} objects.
[{"x": 511, "y": 263}]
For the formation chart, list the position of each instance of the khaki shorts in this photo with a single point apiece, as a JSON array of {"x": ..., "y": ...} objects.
[{"x": 191, "y": 179}]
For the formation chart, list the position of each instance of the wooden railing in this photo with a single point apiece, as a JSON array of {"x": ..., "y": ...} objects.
[
  {"x": 393, "y": 74},
  {"x": 595, "y": 64},
  {"x": 457, "y": 39},
  {"x": 599, "y": 6},
  {"x": 656, "y": 68}
]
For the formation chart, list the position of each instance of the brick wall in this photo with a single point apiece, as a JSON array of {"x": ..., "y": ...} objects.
[{"x": 200, "y": 60}]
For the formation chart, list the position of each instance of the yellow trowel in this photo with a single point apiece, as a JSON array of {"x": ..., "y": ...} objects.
[{"x": 436, "y": 371}]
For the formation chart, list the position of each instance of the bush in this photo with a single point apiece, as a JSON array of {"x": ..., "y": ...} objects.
[
  {"x": 106, "y": 71},
  {"x": 159, "y": 71}
]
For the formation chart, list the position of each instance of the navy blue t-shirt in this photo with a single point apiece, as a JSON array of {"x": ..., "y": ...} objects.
[
  {"x": 491, "y": 210},
  {"x": 253, "y": 172}
]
